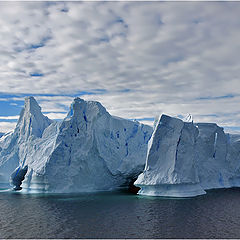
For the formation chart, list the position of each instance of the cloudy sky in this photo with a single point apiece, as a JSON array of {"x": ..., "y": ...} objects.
[{"x": 139, "y": 59}]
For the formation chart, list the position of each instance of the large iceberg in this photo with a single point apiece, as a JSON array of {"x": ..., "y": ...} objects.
[
  {"x": 89, "y": 150},
  {"x": 185, "y": 159}
]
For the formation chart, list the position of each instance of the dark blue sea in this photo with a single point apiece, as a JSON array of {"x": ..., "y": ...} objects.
[{"x": 120, "y": 215}]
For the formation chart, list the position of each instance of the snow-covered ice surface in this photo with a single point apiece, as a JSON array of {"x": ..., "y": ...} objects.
[
  {"x": 184, "y": 159},
  {"x": 89, "y": 150}
]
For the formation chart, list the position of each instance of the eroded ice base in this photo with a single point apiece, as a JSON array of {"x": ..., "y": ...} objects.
[{"x": 172, "y": 190}]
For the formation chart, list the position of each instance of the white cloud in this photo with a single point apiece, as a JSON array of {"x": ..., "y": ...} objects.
[
  {"x": 9, "y": 117},
  {"x": 150, "y": 57},
  {"x": 7, "y": 126},
  {"x": 56, "y": 115}
]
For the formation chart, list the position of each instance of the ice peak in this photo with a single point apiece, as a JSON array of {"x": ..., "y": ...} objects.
[
  {"x": 31, "y": 120},
  {"x": 78, "y": 100},
  {"x": 74, "y": 106},
  {"x": 31, "y": 105},
  {"x": 81, "y": 107}
]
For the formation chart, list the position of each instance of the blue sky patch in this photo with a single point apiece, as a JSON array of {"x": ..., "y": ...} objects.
[
  {"x": 36, "y": 74},
  {"x": 216, "y": 98},
  {"x": 7, "y": 109},
  {"x": 232, "y": 129}
]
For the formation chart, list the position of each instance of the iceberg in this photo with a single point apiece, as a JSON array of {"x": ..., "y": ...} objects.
[
  {"x": 185, "y": 159},
  {"x": 89, "y": 150}
]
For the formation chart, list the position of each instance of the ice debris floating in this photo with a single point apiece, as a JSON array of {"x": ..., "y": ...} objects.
[
  {"x": 185, "y": 159},
  {"x": 89, "y": 150}
]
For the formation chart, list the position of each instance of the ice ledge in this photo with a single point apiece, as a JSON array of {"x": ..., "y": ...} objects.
[{"x": 172, "y": 190}]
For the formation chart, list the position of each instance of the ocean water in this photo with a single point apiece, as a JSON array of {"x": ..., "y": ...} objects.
[{"x": 120, "y": 215}]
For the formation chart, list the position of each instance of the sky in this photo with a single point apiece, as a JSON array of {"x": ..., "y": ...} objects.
[{"x": 139, "y": 59}]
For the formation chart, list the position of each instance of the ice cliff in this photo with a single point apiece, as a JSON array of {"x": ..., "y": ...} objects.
[
  {"x": 87, "y": 151},
  {"x": 185, "y": 159}
]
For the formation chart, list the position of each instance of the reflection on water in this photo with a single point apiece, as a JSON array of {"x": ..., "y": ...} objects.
[{"x": 119, "y": 215}]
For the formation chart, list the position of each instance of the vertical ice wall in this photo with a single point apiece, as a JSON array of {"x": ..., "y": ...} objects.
[
  {"x": 171, "y": 162},
  {"x": 184, "y": 159}
]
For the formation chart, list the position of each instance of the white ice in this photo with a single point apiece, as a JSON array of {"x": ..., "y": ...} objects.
[
  {"x": 185, "y": 159},
  {"x": 89, "y": 150}
]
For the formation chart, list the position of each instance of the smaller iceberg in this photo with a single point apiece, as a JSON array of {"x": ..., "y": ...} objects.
[
  {"x": 185, "y": 159},
  {"x": 170, "y": 168}
]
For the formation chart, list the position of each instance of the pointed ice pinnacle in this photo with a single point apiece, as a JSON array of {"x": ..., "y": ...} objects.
[
  {"x": 31, "y": 105},
  {"x": 32, "y": 121}
]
